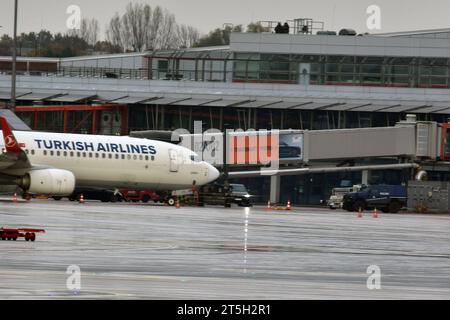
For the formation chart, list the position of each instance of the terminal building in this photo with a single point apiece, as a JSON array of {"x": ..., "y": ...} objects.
[{"x": 306, "y": 80}]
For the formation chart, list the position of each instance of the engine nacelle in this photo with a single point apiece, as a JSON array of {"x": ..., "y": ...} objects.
[{"x": 54, "y": 182}]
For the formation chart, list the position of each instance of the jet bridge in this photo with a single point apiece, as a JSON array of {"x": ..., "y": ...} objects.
[{"x": 404, "y": 146}]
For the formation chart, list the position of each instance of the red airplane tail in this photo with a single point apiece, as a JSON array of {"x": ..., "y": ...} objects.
[{"x": 11, "y": 144}]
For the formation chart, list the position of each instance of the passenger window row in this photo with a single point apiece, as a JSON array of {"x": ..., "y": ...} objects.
[{"x": 96, "y": 155}]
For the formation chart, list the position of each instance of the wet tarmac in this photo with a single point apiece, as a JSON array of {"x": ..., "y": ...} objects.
[{"x": 133, "y": 251}]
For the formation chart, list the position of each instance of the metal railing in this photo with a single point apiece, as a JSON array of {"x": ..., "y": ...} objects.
[{"x": 416, "y": 80}]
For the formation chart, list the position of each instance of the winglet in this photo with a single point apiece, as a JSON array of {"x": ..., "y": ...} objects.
[{"x": 11, "y": 144}]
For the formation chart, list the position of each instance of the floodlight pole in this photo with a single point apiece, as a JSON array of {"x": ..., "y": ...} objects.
[{"x": 14, "y": 60}]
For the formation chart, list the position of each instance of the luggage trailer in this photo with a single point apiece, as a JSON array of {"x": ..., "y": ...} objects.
[{"x": 14, "y": 234}]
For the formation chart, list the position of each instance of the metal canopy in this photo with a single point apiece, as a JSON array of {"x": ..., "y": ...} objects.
[
  {"x": 373, "y": 107},
  {"x": 39, "y": 96},
  {"x": 431, "y": 109},
  {"x": 132, "y": 100},
  {"x": 72, "y": 98},
  {"x": 445, "y": 111},
  {"x": 257, "y": 104},
  {"x": 224, "y": 103},
  {"x": 7, "y": 95},
  {"x": 166, "y": 101},
  {"x": 313, "y": 106},
  {"x": 110, "y": 96},
  {"x": 402, "y": 108},
  {"x": 194, "y": 102},
  {"x": 284, "y": 105},
  {"x": 345, "y": 106}
]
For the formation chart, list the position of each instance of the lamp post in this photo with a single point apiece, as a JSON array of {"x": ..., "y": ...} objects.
[{"x": 14, "y": 59}]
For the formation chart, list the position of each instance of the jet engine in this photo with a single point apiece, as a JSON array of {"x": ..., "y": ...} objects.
[{"x": 55, "y": 182}]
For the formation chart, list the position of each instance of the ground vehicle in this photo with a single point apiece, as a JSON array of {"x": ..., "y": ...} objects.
[
  {"x": 140, "y": 195},
  {"x": 240, "y": 195},
  {"x": 337, "y": 196},
  {"x": 387, "y": 198},
  {"x": 14, "y": 234},
  {"x": 104, "y": 195},
  {"x": 220, "y": 194}
]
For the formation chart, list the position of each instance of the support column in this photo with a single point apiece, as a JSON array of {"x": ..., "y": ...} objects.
[
  {"x": 66, "y": 121},
  {"x": 365, "y": 177},
  {"x": 275, "y": 189},
  {"x": 94, "y": 121}
]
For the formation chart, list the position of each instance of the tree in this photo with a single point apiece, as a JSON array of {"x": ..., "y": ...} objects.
[
  {"x": 187, "y": 36},
  {"x": 142, "y": 28},
  {"x": 113, "y": 33},
  {"x": 6, "y": 43},
  {"x": 256, "y": 27},
  {"x": 218, "y": 37}
]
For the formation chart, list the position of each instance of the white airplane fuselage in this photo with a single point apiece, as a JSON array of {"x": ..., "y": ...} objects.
[{"x": 115, "y": 161}]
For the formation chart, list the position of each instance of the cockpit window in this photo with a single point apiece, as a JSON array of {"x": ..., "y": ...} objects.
[{"x": 195, "y": 158}]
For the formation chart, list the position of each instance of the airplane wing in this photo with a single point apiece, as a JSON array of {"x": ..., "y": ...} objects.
[{"x": 12, "y": 156}]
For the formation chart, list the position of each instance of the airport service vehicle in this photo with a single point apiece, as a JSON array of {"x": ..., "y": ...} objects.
[
  {"x": 222, "y": 194},
  {"x": 337, "y": 196},
  {"x": 14, "y": 234},
  {"x": 53, "y": 163},
  {"x": 141, "y": 195},
  {"x": 387, "y": 198}
]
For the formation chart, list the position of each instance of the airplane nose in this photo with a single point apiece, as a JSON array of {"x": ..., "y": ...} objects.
[{"x": 213, "y": 173}]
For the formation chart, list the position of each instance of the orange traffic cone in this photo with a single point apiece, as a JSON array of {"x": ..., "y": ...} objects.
[
  {"x": 375, "y": 213},
  {"x": 177, "y": 204},
  {"x": 288, "y": 207},
  {"x": 15, "y": 198},
  {"x": 360, "y": 213},
  {"x": 81, "y": 198}
]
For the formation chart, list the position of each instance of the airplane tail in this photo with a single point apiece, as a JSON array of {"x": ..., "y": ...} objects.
[{"x": 11, "y": 144}]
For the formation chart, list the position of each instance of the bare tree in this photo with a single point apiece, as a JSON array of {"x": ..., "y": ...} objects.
[
  {"x": 187, "y": 36},
  {"x": 114, "y": 33},
  {"x": 154, "y": 27},
  {"x": 143, "y": 28},
  {"x": 167, "y": 32},
  {"x": 89, "y": 30},
  {"x": 135, "y": 22}
]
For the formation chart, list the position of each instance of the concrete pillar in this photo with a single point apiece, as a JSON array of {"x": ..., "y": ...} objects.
[
  {"x": 365, "y": 177},
  {"x": 275, "y": 189}
]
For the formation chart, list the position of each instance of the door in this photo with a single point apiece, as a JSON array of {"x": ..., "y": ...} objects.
[
  {"x": 173, "y": 158},
  {"x": 304, "y": 73}
]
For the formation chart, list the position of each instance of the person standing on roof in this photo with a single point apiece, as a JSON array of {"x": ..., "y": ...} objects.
[
  {"x": 279, "y": 28},
  {"x": 286, "y": 28}
]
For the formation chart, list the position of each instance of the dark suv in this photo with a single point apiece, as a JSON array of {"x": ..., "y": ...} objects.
[
  {"x": 221, "y": 194},
  {"x": 387, "y": 198}
]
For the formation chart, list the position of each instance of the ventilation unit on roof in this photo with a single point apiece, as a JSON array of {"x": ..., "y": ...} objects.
[
  {"x": 326, "y": 33},
  {"x": 347, "y": 32}
]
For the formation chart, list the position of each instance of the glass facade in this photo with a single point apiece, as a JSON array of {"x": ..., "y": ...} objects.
[{"x": 342, "y": 70}]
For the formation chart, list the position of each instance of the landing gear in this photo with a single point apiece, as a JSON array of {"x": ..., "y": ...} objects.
[{"x": 171, "y": 201}]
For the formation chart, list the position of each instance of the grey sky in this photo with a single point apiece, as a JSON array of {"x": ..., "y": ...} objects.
[{"x": 397, "y": 15}]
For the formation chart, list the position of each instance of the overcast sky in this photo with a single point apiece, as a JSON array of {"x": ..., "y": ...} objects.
[{"x": 397, "y": 15}]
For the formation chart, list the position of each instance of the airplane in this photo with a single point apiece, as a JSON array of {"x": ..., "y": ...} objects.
[{"x": 54, "y": 163}]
